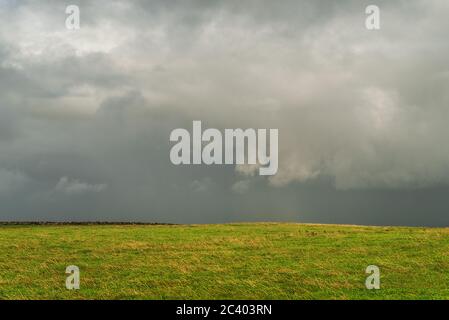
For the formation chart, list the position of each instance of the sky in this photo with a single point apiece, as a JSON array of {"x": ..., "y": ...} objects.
[{"x": 86, "y": 115}]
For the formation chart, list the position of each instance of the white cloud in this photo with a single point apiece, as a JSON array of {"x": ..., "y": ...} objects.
[
  {"x": 241, "y": 187},
  {"x": 76, "y": 187}
]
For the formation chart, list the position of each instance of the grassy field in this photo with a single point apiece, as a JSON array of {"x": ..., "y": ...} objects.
[{"x": 235, "y": 261}]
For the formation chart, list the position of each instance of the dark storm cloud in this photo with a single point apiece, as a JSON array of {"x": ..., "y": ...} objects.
[{"x": 85, "y": 115}]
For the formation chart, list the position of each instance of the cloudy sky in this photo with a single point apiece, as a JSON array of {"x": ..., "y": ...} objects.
[{"x": 85, "y": 115}]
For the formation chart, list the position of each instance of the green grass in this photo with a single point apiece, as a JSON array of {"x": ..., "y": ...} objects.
[{"x": 235, "y": 261}]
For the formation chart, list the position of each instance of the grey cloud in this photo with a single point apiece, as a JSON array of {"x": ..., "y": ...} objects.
[
  {"x": 361, "y": 115},
  {"x": 11, "y": 181}
]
